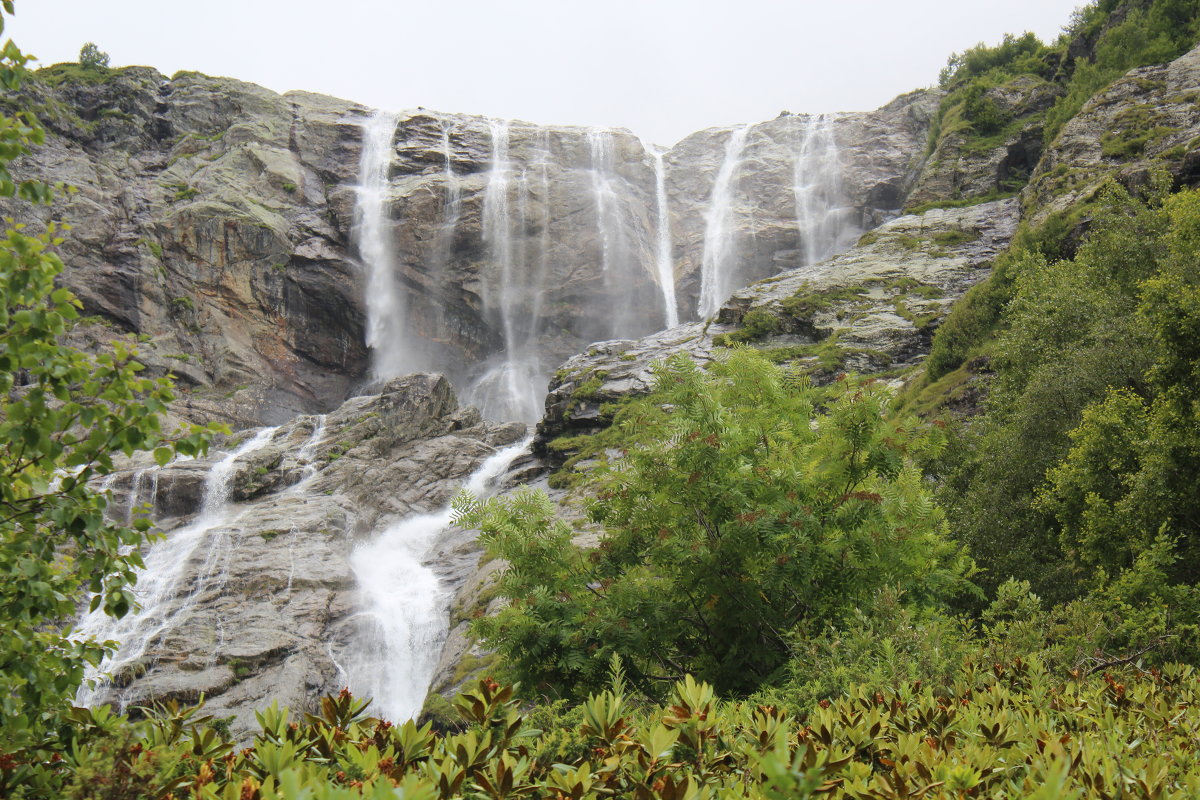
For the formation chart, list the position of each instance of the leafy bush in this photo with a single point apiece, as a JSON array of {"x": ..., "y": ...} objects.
[
  {"x": 64, "y": 415},
  {"x": 997, "y": 730},
  {"x": 744, "y": 514}
]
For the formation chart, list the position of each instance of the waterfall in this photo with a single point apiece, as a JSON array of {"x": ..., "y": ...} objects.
[
  {"x": 542, "y": 162},
  {"x": 822, "y": 210},
  {"x": 511, "y": 386},
  {"x": 663, "y": 260},
  {"x": 372, "y": 233},
  {"x": 453, "y": 204},
  {"x": 161, "y": 584},
  {"x": 623, "y": 269},
  {"x": 720, "y": 251},
  {"x": 405, "y": 616},
  {"x": 305, "y": 456},
  {"x": 607, "y": 225}
]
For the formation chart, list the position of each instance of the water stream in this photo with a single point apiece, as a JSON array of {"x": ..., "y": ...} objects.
[
  {"x": 405, "y": 616},
  {"x": 720, "y": 247},
  {"x": 664, "y": 262},
  {"x": 823, "y": 213},
  {"x": 166, "y": 588},
  {"x": 387, "y": 306},
  {"x": 511, "y": 382}
]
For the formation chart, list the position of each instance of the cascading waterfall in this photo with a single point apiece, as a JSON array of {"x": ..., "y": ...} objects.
[
  {"x": 720, "y": 250},
  {"x": 511, "y": 387},
  {"x": 405, "y": 616},
  {"x": 453, "y": 204},
  {"x": 823, "y": 214},
  {"x": 159, "y": 591},
  {"x": 663, "y": 260},
  {"x": 305, "y": 456},
  {"x": 607, "y": 224},
  {"x": 386, "y": 303},
  {"x": 542, "y": 163},
  {"x": 621, "y": 267}
]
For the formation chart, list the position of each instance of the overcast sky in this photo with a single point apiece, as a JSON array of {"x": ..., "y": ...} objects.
[{"x": 662, "y": 68}]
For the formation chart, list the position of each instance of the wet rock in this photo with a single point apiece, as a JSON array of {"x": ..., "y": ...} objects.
[
  {"x": 214, "y": 218},
  {"x": 265, "y": 604}
]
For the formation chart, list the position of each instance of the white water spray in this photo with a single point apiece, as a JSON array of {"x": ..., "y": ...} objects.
[
  {"x": 822, "y": 210},
  {"x": 166, "y": 588},
  {"x": 663, "y": 260},
  {"x": 720, "y": 251},
  {"x": 453, "y": 203},
  {"x": 136, "y": 488},
  {"x": 386, "y": 303},
  {"x": 511, "y": 387},
  {"x": 305, "y": 456},
  {"x": 405, "y": 616},
  {"x": 600, "y": 144}
]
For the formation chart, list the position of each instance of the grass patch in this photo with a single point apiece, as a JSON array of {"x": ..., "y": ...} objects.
[{"x": 963, "y": 202}]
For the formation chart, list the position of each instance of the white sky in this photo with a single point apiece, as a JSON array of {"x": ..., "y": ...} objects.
[{"x": 662, "y": 68}]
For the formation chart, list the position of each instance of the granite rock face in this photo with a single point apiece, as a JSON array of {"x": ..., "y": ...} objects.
[
  {"x": 266, "y": 602},
  {"x": 206, "y": 221},
  {"x": 214, "y": 221},
  {"x": 961, "y": 168}
]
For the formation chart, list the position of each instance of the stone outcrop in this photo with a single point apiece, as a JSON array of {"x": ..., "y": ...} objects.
[
  {"x": 963, "y": 167},
  {"x": 1151, "y": 116},
  {"x": 872, "y": 309},
  {"x": 210, "y": 219},
  {"x": 266, "y": 603},
  {"x": 881, "y": 156}
]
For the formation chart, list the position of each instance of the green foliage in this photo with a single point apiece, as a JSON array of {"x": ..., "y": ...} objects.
[
  {"x": 1135, "y": 455},
  {"x": 93, "y": 57},
  {"x": 745, "y": 514},
  {"x": 183, "y": 192},
  {"x": 807, "y": 301},
  {"x": 757, "y": 324},
  {"x": 1150, "y": 33},
  {"x": 969, "y": 322},
  {"x": 63, "y": 416},
  {"x": 1013, "y": 56},
  {"x": 961, "y": 202},
  {"x": 996, "y": 729},
  {"x": 1133, "y": 129},
  {"x": 1104, "y": 41},
  {"x": 1065, "y": 336}
]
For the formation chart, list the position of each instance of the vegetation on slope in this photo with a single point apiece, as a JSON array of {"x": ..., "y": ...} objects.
[
  {"x": 1087, "y": 454},
  {"x": 757, "y": 507},
  {"x": 1103, "y": 41}
]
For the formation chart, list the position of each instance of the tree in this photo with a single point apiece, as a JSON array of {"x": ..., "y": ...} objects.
[
  {"x": 1134, "y": 464},
  {"x": 63, "y": 416},
  {"x": 759, "y": 506},
  {"x": 92, "y": 56}
]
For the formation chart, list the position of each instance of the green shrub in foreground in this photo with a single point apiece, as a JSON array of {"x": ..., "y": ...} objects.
[{"x": 997, "y": 731}]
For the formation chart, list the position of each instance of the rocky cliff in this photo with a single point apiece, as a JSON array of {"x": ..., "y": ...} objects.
[{"x": 215, "y": 221}]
